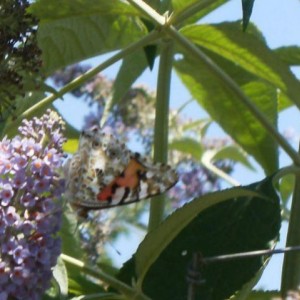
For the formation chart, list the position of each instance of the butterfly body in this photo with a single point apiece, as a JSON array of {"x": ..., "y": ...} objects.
[{"x": 103, "y": 173}]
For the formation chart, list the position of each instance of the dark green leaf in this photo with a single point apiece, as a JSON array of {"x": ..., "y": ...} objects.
[
  {"x": 150, "y": 52},
  {"x": 242, "y": 223},
  {"x": 247, "y": 11},
  {"x": 289, "y": 54},
  {"x": 263, "y": 295}
]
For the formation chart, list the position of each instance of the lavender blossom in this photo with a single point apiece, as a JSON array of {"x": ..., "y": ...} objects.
[
  {"x": 195, "y": 181},
  {"x": 30, "y": 207}
]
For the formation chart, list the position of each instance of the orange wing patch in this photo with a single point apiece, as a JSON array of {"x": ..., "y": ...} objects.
[{"x": 128, "y": 180}]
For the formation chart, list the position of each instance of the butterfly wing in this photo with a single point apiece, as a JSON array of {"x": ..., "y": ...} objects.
[{"x": 104, "y": 173}]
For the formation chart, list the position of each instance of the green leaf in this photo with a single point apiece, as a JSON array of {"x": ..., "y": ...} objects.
[
  {"x": 247, "y": 11},
  {"x": 263, "y": 295},
  {"x": 233, "y": 153},
  {"x": 230, "y": 114},
  {"x": 189, "y": 146},
  {"x": 289, "y": 54},
  {"x": 82, "y": 29},
  {"x": 71, "y": 146},
  {"x": 245, "y": 291},
  {"x": 72, "y": 135},
  {"x": 100, "y": 296},
  {"x": 132, "y": 67},
  {"x": 70, "y": 235},
  {"x": 202, "y": 124},
  {"x": 248, "y": 52},
  {"x": 231, "y": 221},
  {"x": 287, "y": 185},
  {"x": 189, "y": 11},
  {"x": 47, "y": 11},
  {"x": 150, "y": 52},
  {"x": 61, "y": 276}
]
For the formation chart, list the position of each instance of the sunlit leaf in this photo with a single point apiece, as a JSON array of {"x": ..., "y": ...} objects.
[
  {"x": 188, "y": 146},
  {"x": 232, "y": 115},
  {"x": 71, "y": 146},
  {"x": 233, "y": 153},
  {"x": 47, "y": 10},
  {"x": 246, "y": 51},
  {"x": 202, "y": 124},
  {"x": 61, "y": 276},
  {"x": 286, "y": 187},
  {"x": 188, "y": 11}
]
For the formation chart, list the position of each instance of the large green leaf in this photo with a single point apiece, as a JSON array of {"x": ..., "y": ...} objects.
[
  {"x": 238, "y": 221},
  {"x": 247, "y": 51},
  {"x": 233, "y": 116},
  {"x": 82, "y": 29}
]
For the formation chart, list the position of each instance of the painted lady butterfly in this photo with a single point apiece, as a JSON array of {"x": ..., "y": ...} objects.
[{"x": 103, "y": 173}]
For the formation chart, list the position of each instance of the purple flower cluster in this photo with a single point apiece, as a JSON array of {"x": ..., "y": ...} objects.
[
  {"x": 195, "y": 181},
  {"x": 30, "y": 207}
]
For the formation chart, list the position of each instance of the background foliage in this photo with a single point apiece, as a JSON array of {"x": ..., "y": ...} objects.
[{"x": 232, "y": 73}]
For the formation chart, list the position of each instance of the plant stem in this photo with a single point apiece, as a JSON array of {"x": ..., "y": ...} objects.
[
  {"x": 152, "y": 36},
  {"x": 161, "y": 127},
  {"x": 195, "y": 51},
  {"x": 290, "y": 277},
  {"x": 126, "y": 290}
]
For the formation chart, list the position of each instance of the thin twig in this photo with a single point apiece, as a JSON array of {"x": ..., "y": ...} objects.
[{"x": 240, "y": 255}]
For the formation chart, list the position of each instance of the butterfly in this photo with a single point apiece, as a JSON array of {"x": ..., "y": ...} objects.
[{"x": 104, "y": 173}]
